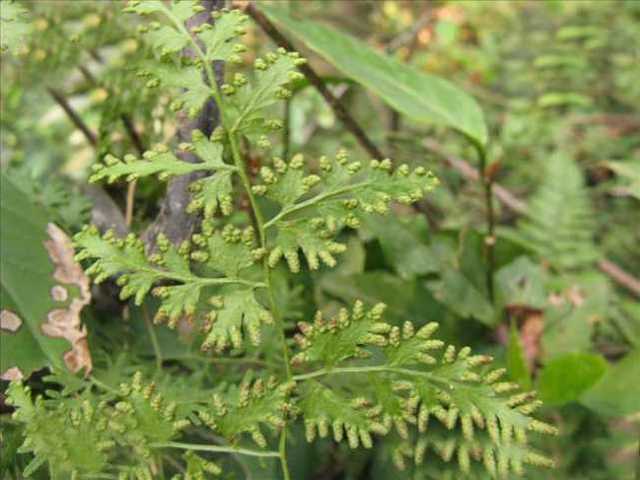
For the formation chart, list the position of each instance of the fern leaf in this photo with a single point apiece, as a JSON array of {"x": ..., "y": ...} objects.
[
  {"x": 218, "y": 39},
  {"x": 560, "y": 222},
  {"x": 86, "y": 434},
  {"x": 409, "y": 385},
  {"x": 324, "y": 409},
  {"x": 315, "y": 207},
  {"x": 80, "y": 442},
  {"x": 342, "y": 337},
  {"x": 245, "y": 101},
  {"x": 237, "y": 310},
  {"x": 162, "y": 162},
  {"x": 244, "y": 409}
]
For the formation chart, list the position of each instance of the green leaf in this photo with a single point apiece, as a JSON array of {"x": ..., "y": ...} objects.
[
  {"x": 457, "y": 291},
  {"x": 520, "y": 284},
  {"x": 516, "y": 362},
  {"x": 244, "y": 409},
  {"x": 560, "y": 223},
  {"x": 339, "y": 195},
  {"x": 187, "y": 80},
  {"x": 422, "y": 97},
  {"x": 403, "y": 242},
  {"x": 218, "y": 41},
  {"x": 566, "y": 378},
  {"x": 618, "y": 391},
  {"x": 326, "y": 409},
  {"x": 245, "y": 108},
  {"x": 238, "y": 314},
  {"x": 342, "y": 337},
  {"x": 34, "y": 293}
]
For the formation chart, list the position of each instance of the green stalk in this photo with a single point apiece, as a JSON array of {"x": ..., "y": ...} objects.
[
  {"x": 246, "y": 183},
  {"x": 490, "y": 238},
  {"x": 215, "y": 448}
]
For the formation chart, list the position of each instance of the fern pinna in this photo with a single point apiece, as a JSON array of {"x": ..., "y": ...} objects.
[{"x": 348, "y": 374}]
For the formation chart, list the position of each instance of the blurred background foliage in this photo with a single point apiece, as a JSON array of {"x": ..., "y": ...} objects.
[{"x": 558, "y": 82}]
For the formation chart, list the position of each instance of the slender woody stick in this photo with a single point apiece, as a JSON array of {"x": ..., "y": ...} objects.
[
  {"x": 338, "y": 108},
  {"x": 73, "y": 116}
]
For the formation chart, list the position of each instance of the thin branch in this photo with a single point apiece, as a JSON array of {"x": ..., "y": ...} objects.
[
  {"x": 338, "y": 108},
  {"x": 73, "y": 116},
  {"x": 509, "y": 200},
  {"x": 135, "y": 139},
  {"x": 215, "y": 448},
  {"x": 408, "y": 36}
]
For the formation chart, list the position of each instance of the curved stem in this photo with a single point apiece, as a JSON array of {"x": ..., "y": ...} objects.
[
  {"x": 215, "y": 448},
  {"x": 314, "y": 200},
  {"x": 373, "y": 368},
  {"x": 237, "y": 159}
]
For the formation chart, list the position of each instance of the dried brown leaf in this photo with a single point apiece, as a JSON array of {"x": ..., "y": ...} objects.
[{"x": 65, "y": 322}]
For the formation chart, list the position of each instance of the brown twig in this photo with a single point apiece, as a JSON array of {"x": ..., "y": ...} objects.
[
  {"x": 338, "y": 108},
  {"x": 105, "y": 214},
  {"x": 135, "y": 139},
  {"x": 73, "y": 116},
  {"x": 508, "y": 199}
]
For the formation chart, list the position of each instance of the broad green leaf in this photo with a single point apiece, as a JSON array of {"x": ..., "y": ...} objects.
[
  {"x": 618, "y": 391},
  {"x": 424, "y": 98},
  {"x": 516, "y": 362},
  {"x": 403, "y": 242},
  {"x": 566, "y": 378},
  {"x": 458, "y": 292},
  {"x": 34, "y": 303},
  {"x": 520, "y": 283}
]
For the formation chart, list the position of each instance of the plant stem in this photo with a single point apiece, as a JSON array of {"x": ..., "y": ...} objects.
[
  {"x": 215, "y": 448},
  {"x": 490, "y": 239},
  {"x": 374, "y": 368},
  {"x": 312, "y": 201},
  {"x": 259, "y": 218},
  {"x": 154, "y": 339}
]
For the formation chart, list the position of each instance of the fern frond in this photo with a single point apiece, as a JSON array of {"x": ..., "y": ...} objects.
[
  {"x": 69, "y": 440},
  {"x": 198, "y": 468},
  {"x": 242, "y": 410},
  {"x": 244, "y": 102},
  {"x": 315, "y": 207},
  {"x": 324, "y": 409},
  {"x": 88, "y": 434},
  {"x": 227, "y": 256},
  {"x": 409, "y": 385},
  {"x": 560, "y": 224},
  {"x": 209, "y": 194}
]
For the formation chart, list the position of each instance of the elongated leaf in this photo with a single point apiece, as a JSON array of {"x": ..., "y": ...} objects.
[
  {"x": 566, "y": 378},
  {"x": 516, "y": 360},
  {"x": 42, "y": 292},
  {"x": 618, "y": 391},
  {"x": 422, "y": 97}
]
